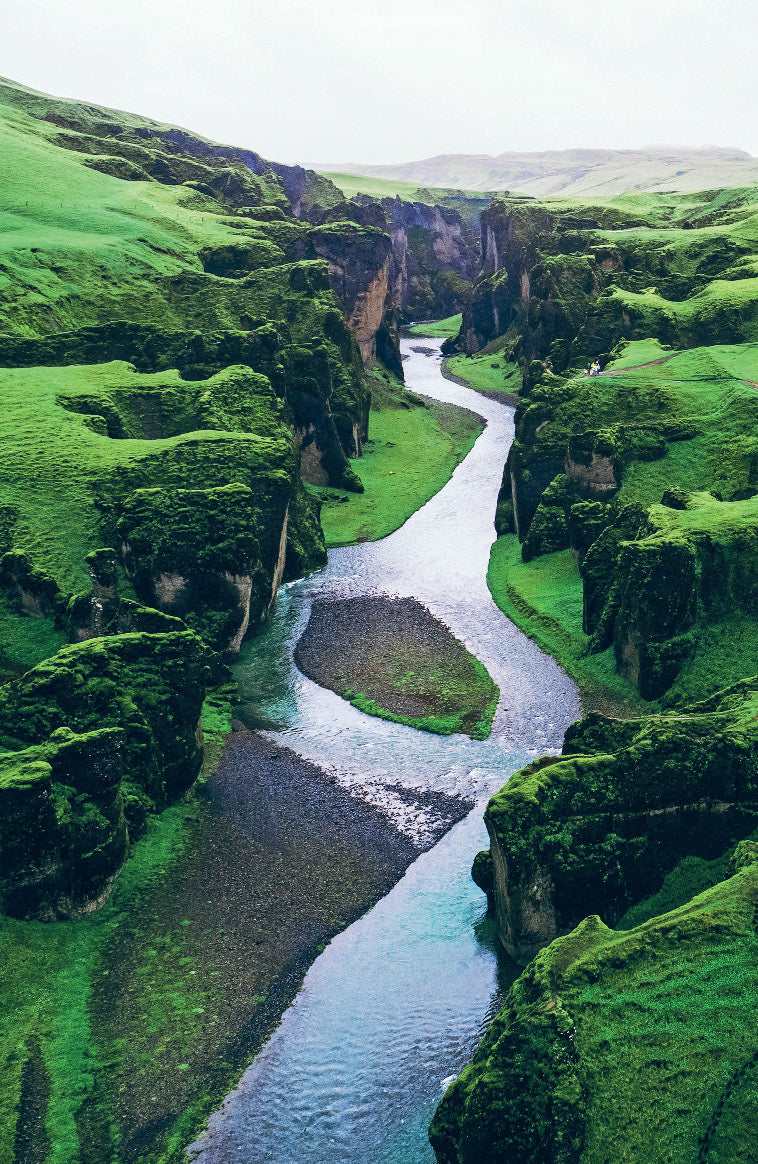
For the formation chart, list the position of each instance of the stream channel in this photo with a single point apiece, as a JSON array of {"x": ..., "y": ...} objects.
[{"x": 395, "y": 1005}]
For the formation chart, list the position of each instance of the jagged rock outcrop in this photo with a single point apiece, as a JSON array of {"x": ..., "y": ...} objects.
[
  {"x": 358, "y": 258},
  {"x": 103, "y": 611},
  {"x": 434, "y": 255},
  {"x": 572, "y": 279},
  {"x": 434, "y": 259},
  {"x": 596, "y": 830},
  {"x": 63, "y": 834},
  {"x": 635, "y": 826},
  {"x": 97, "y": 737}
]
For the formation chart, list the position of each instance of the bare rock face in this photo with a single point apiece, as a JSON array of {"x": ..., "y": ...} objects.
[
  {"x": 358, "y": 259},
  {"x": 104, "y": 612}
]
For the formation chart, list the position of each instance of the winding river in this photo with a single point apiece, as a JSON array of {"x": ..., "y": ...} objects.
[{"x": 397, "y": 1002}]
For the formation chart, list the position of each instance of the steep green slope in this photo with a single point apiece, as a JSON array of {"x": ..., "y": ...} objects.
[
  {"x": 618, "y": 444},
  {"x": 662, "y": 291},
  {"x": 621, "y": 1046},
  {"x": 626, "y": 1044},
  {"x": 628, "y": 520}
]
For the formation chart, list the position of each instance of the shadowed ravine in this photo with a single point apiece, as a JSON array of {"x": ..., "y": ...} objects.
[{"x": 397, "y": 1002}]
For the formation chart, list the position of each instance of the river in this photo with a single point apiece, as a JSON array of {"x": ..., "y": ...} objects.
[{"x": 397, "y": 1002}]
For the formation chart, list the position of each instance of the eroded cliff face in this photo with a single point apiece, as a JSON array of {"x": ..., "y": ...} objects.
[
  {"x": 434, "y": 256},
  {"x": 617, "y": 867},
  {"x": 157, "y": 392},
  {"x": 573, "y": 279},
  {"x": 434, "y": 259},
  {"x": 601, "y": 1046},
  {"x": 359, "y": 261},
  {"x": 629, "y": 800}
]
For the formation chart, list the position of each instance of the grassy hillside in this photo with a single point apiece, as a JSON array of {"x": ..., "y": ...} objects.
[
  {"x": 708, "y": 399},
  {"x": 628, "y": 517},
  {"x": 168, "y": 337},
  {"x": 621, "y": 1046}
]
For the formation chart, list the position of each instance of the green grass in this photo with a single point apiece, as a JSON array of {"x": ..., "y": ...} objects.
[
  {"x": 56, "y": 468},
  {"x": 640, "y": 1043},
  {"x": 452, "y": 687},
  {"x": 47, "y": 972},
  {"x": 352, "y": 184},
  {"x": 664, "y": 1031},
  {"x": 411, "y": 453},
  {"x": 487, "y": 372},
  {"x": 437, "y": 329},
  {"x": 710, "y": 390},
  {"x": 544, "y": 599}
]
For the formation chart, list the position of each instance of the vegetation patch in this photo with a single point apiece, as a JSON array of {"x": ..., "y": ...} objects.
[
  {"x": 390, "y": 657},
  {"x": 490, "y": 373},
  {"x": 413, "y": 449},
  {"x": 544, "y": 599},
  {"x": 612, "y": 1045},
  {"x": 437, "y": 329}
]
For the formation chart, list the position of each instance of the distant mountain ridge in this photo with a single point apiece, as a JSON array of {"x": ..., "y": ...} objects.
[{"x": 574, "y": 171}]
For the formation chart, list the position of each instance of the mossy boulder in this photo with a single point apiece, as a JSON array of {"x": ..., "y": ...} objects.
[
  {"x": 149, "y": 686},
  {"x": 195, "y": 553},
  {"x": 63, "y": 834}
]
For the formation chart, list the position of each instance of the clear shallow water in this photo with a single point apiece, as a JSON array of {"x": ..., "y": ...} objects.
[{"x": 397, "y": 1002}]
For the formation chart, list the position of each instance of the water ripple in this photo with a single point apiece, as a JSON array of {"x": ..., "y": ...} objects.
[{"x": 393, "y": 1008}]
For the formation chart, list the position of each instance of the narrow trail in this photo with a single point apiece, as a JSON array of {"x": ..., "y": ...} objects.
[{"x": 636, "y": 367}]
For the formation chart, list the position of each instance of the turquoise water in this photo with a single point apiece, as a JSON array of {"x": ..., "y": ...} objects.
[{"x": 396, "y": 1003}]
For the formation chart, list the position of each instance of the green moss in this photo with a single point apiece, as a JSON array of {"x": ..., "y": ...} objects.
[
  {"x": 151, "y": 686},
  {"x": 636, "y": 1045},
  {"x": 48, "y": 969},
  {"x": 472, "y": 700}
]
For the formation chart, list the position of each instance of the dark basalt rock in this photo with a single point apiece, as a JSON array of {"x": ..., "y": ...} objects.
[{"x": 149, "y": 686}]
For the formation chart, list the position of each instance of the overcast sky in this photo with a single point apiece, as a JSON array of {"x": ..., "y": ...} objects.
[{"x": 392, "y": 81}]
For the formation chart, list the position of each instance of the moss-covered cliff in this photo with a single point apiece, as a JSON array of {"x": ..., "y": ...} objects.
[
  {"x": 626, "y": 517},
  {"x": 661, "y": 291},
  {"x": 180, "y": 346},
  {"x": 622, "y": 1043},
  {"x": 615, "y": 1045}
]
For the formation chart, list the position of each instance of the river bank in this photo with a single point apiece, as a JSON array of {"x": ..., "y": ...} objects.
[
  {"x": 397, "y": 1002},
  {"x": 198, "y": 960}
]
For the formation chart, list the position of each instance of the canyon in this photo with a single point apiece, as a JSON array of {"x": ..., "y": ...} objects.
[{"x": 200, "y": 350}]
